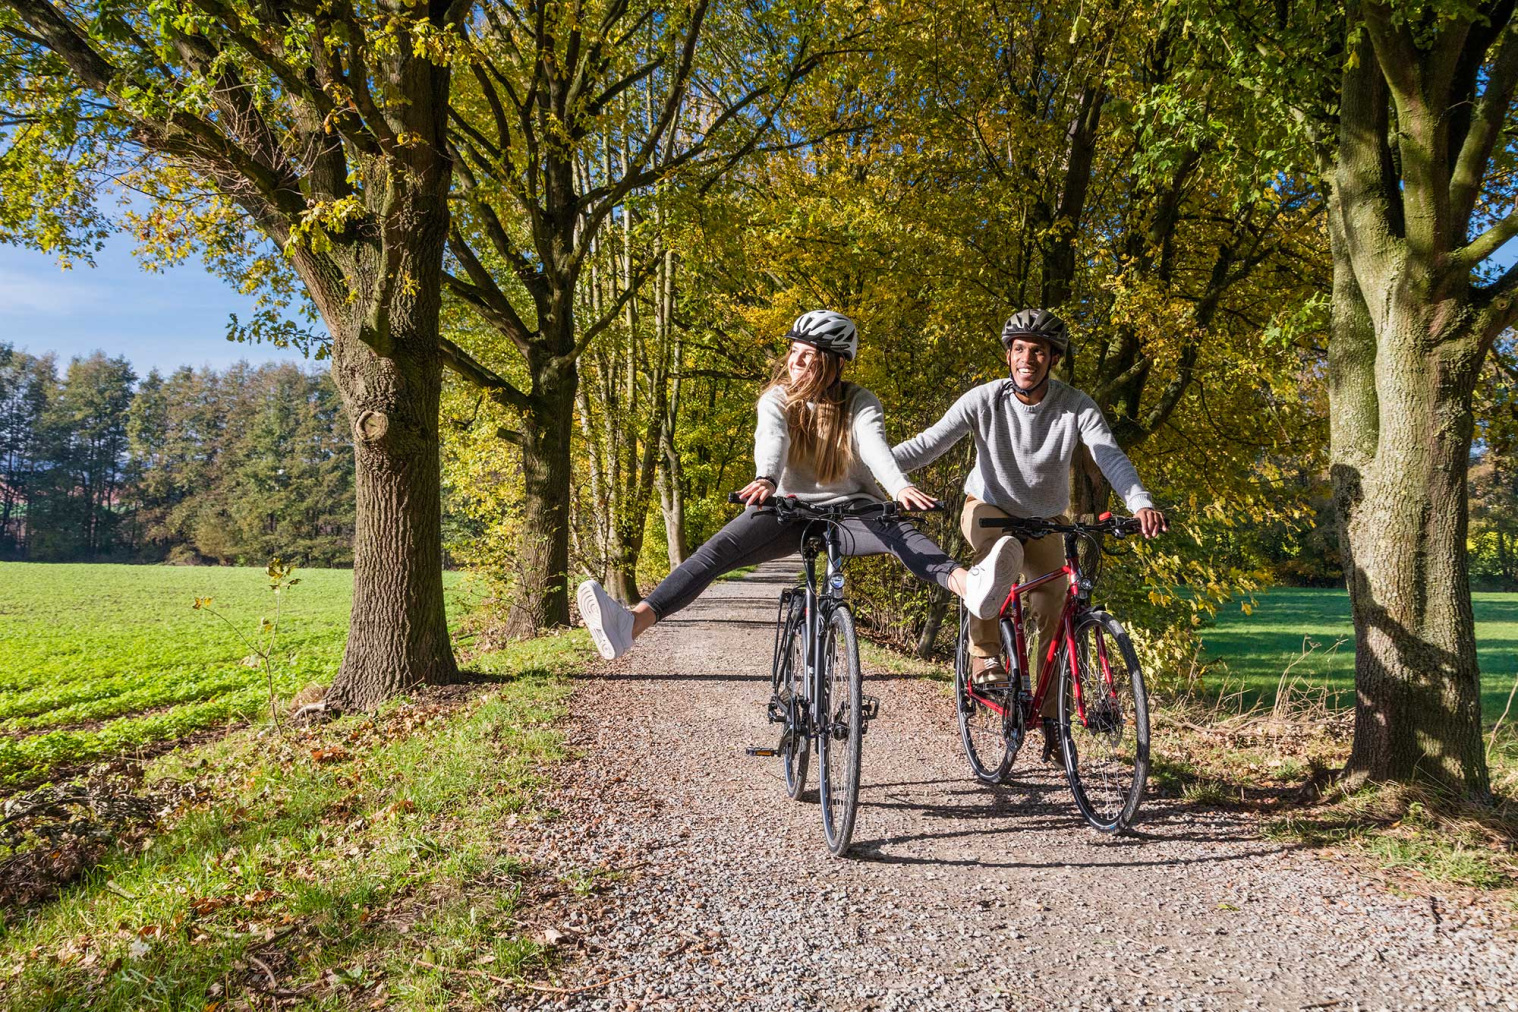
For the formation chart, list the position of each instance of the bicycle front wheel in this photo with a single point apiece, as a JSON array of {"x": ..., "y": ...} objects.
[
  {"x": 790, "y": 685},
  {"x": 1103, "y": 722},
  {"x": 839, "y": 739},
  {"x": 982, "y": 729}
]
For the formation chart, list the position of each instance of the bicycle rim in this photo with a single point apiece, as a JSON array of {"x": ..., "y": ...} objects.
[
  {"x": 1105, "y": 730},
  {"x": 795, "y": 749},
  {"x": 982, "y": 729},
  {"x": 840, "y": 741}
]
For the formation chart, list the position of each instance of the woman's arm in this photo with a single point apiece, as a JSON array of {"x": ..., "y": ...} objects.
[
  {"x": 772, "y": 441},
  {"x": 868, "y": 428}
]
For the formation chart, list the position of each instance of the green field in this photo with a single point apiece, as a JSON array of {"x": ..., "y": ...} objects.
[
  {"x": 1257, "y": 648},
  {"x": 97, "y": 659}
]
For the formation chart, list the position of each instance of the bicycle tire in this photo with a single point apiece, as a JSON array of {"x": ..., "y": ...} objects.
[
  {"x": 789, "y": 680},
  {"x": 1106, "y": 751},
  {"x": 840, "y": 686},
  {"x": 982, "y": 730}
]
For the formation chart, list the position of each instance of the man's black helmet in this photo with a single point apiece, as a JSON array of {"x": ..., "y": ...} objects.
[{"x": 1039, "y": 323}]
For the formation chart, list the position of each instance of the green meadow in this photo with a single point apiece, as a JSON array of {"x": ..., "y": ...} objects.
[
  {"x": 1309, "y": 630},
  {"x": 98, "y": 659}
]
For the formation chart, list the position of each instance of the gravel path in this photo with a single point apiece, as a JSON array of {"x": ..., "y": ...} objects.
[{"x": 720, "y": 893}]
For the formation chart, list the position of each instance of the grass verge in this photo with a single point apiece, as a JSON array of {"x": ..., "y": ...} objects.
[
  {"x": 361, "y": 863},
  {"x": 1277, "y": 763}
]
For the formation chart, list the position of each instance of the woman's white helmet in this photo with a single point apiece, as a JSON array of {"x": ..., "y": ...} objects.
[{"x": 826, "y": 330}]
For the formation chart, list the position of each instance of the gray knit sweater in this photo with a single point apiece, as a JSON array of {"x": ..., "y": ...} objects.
[
  {"x": 872, "y": 461},
  {"x": 1023, "y": 452}
]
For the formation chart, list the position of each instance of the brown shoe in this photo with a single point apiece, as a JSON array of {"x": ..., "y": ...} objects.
[{"x": 988, "y": 672}]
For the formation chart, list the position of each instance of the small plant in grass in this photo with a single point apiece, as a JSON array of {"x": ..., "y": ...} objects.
[{"x": 281, "y": 578}]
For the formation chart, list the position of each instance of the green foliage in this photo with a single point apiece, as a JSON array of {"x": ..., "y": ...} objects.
[{"x": 99, "y": 658}]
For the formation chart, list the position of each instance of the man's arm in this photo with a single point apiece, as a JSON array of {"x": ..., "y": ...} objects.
[
  {"x": 1114, "y": 463},
  {"x": 936, "y": 440}
]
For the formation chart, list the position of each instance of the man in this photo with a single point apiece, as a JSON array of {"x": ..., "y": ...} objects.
[{"x": 1026, "y": 428}]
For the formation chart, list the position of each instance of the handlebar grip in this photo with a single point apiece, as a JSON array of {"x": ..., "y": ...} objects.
[{"x": 734, "y": 497}]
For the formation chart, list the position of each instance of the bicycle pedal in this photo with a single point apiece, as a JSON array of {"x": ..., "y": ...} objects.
[
  {"x": 870, "y": 707},
  {"x": 756, "y": 750}
]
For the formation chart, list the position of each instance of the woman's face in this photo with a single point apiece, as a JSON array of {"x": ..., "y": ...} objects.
[{"x": 802, "y": 360}]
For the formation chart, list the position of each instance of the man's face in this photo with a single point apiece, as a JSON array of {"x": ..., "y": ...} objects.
[{"x": 1029, "y": 358}]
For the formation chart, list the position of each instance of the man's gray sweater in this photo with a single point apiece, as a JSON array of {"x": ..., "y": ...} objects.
[{"x": 1023, "y": 452}]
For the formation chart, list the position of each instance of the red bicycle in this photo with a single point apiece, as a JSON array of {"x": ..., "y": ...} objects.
[{"x": 1103, "y": 722}]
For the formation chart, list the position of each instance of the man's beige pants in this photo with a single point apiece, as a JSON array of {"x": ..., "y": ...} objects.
[{"x": 1041, "y": 608}]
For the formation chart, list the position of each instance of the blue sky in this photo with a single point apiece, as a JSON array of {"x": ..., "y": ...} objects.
[{"x": 156, "y": 320}]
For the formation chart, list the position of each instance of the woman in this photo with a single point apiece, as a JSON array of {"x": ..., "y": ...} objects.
[{"x": 823, "y": 441}]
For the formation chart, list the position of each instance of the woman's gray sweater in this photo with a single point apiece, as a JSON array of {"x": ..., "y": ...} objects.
[
  {"x": 872, "y": 461},
  {"x": 1023, "y": 452}
]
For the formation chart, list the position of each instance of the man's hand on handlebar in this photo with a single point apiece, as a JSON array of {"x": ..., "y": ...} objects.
[
  {"x": 756, "y": 491},
  {"x": 914, "y": 498},
  {"x": 1151, "y": 522}
]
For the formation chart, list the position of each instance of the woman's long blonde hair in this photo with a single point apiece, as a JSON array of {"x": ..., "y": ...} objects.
[{"x": 820, "y": 435}]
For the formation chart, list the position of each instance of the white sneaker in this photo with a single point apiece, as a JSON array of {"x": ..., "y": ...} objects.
[
  {"x": 610, "y": 624},
  {"x": 990, "y": 579}
]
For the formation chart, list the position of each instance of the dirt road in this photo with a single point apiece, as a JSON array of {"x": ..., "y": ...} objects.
[{"x": 719, "y": 893}]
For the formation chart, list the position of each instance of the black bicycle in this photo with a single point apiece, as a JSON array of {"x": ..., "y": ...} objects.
[{"x": 817, "y": 690}]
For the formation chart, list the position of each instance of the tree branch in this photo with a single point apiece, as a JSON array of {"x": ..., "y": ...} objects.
[{"x": 496, "y": 386}]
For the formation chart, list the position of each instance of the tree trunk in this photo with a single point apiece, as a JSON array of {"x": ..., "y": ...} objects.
[
  {"x": 1400, "y": 437},
  {"x": 938, "y": 607},
  {"x": 1089, "y": 492},
  {"x": 398, "y": 637},
  {"x": 542, "y": 597},
  {"x": 1418, "y": 686},
  {"x": 672, "y": 500}
]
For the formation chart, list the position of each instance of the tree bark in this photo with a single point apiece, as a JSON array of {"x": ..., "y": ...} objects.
[
  {"x": 542, "y": 598},
  {"x": 1401, "y": 436},
  {"x": 398, "y": 637}
]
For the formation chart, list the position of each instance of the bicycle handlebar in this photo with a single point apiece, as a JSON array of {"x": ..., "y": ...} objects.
[
  {"x": 834, "y": 511},
  {"x": 1037, "y": 527}
]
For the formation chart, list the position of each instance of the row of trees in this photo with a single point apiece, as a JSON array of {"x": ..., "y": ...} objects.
[
  {"x": 1267, "y": 224},
  {"x": 197, "y": 466}
]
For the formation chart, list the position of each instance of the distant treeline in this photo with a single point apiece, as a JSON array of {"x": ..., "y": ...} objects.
[{"x": 198, "y": 466}]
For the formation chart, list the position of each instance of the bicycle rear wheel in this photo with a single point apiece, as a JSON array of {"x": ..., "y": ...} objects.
[
  {"x": 789, "y": 683},
  {"x": 982, "y": 729},
  {"x": 1104, "y": 722},
  {"x": 841, "y": 702}
]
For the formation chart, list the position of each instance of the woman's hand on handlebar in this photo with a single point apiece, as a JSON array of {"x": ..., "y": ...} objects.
[
  {"x": 1151, "y": 522},
  {"x": 756, "y": 491},
  {"x": 914, "y": 498}
]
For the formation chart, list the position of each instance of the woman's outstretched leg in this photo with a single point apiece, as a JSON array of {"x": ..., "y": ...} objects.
[{"x": 748, "y": 539}]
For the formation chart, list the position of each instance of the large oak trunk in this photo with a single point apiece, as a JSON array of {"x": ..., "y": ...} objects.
[{"x": 398, "y": 637}]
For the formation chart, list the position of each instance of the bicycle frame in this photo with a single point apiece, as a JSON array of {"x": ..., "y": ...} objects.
[{"x": 1014, "y": 639}]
